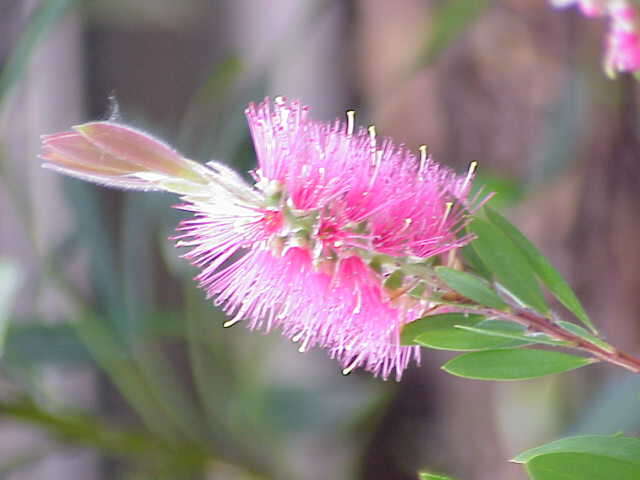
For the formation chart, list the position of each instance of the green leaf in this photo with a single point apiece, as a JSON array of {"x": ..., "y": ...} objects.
[
  {"x": 473, "y": 261},
  {"x": 9, "y": 281},
  {"x": 470, "y": 286},
  {"x": 585, "y": 334},
  {"x": 507, "y": 262},
  {"x": 505, "y": 329},
  {"x": 441, "y": 332},
  {"x": 433, "y": 476},
  {"x": 513, "y": 364},
  {"x": 447, "y": 23},
  {"x": 622, "y": 448},
  {"x": 412, "y": 330},
  {"x": 543, "y": 268},
  {"x": 593, "y": 457},
  {"x": 580, "y": 466}
]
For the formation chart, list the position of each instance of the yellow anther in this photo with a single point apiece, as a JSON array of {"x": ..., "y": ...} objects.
[{"x": 473, "y": 166}]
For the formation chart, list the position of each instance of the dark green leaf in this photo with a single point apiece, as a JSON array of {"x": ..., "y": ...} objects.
[
  {"x": 513, "y": 364},
  {"x": 441, "y": 332},
  {"x": 433, "y": 476},
  {"x": 507, "y": 262},
  {"x": 473, "y": 261},
  {"x": 580, "y": 466},
  {"x": 470, "y": 286},
  {"x": 622, "y": 448},
  {"x": 501, "y": 328},
  {"x": 543, "y": 268},
  {"x": 411, "y": 330}
]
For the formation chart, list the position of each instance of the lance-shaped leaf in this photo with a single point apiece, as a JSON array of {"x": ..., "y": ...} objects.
[
  {"x": 442, "y": 332},
  {"x": 543, "y": 268},
  {"x": 615, "y": 446},
  {"x": 513, "y": 364},
  {"x": 508, "y": 264},
  {"x": 577, "y": 466},
  {"x": 432, "y": 476},
  {"x": 593, "y": 457},
  {"x": 470, "y": 286}
]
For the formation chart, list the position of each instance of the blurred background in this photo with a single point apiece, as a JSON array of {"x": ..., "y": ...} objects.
[{"x": 113, "y": 364}]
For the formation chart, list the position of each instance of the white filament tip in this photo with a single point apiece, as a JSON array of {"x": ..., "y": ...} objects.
[
  {"x": 372, "y": 136},
  {"x": 351, "y": 117},
  {"x": 230, "y": 323},
  {"x": 473, "y": 166},
  {"x": 424, "y": 153},
  {"x": 350, "y": 368}
]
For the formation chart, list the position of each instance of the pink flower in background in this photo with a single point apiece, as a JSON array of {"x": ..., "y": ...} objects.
[
  {"x": 623, "y": 39},
  {"x": 590, "y": 8},
  {"x": 623, "y": 42},
  {"x": 330, "y": 245}
]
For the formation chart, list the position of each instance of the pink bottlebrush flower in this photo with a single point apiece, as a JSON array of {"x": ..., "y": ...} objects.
[
  {"x": 331, "y": 245},
  {"x": 623, "y": 42},
  {"x": 623, "y": 39}
]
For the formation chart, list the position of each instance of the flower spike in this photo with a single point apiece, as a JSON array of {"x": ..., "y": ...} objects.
[
  {"x": 331, "y": 243},
  {"x": 623, "y": 39}
]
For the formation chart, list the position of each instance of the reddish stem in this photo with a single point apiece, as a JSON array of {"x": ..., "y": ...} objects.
[{"x": 538, "y": 323}]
